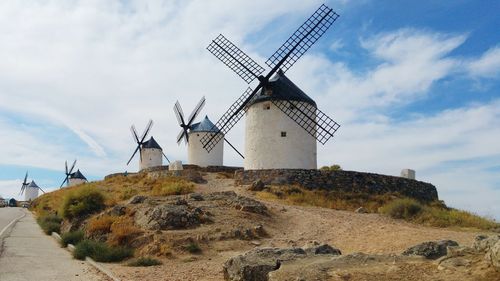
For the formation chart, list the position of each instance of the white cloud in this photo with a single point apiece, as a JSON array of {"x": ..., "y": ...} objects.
[{"x": 488, "y": 65}]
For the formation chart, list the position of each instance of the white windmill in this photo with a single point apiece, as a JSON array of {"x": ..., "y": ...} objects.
[
  {"x": 73, "y": 178},
  {"x": 30, "y": 190},
  {"x": 282, "y": 122},
  {"x": 150, "y": 152},
  {"x": 193, "y": 133}
]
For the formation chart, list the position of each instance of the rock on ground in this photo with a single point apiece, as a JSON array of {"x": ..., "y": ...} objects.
[{"x": 430, "y": 250}]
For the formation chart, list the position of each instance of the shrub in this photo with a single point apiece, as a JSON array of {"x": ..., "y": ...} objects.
[
  {"x": 72, "y": 237},
  {"x": 402, "y": 209},
  {"x": 82, "y": 201},
  {"x": 100, "y": 225},
  {"x": 174, "y": 187},
  {"x": 123, "y": 231},
  {"x": 144, "y": 261},
  {"x": 334, "y": 167},
  {"x": 193, "y": 248},
  {"x": 101, "y": 252},
  {"x": 50, "y": 223}
]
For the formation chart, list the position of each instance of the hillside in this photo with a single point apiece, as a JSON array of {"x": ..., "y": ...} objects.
[{"x": 195, "y": 223}]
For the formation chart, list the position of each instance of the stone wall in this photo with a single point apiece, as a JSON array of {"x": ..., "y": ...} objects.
[{"x": 347, "y": 181}]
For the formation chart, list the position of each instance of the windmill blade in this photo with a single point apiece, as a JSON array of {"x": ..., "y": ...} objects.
[
  {"x": 310, "y": 118},
  {"x": 65, "y": 180},
  {"x": 72, "y": 167},
  {"x": 66, "y": 167},
  {"x": 228, "y": 119},
  {"x": 182, "y": 134},
  {"x": 146, "y": 131},
  {"x": 303, "y": 38},
  {"x": 133, "y": 154},
  {"x": 196, "y": 110},
  {"x": 179, "y": 114},
  {"x": 235, "y": 59},
  {"x": 234, "y": 148},
  {"x": 25, "y": 178},
  {"x": 41, "y": 189},
  {"x": 134, "y": 134},
  {"x": 165, "y": 157}
]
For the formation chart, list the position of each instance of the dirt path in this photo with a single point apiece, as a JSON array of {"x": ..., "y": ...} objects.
[{"x": 31, "y": 255}]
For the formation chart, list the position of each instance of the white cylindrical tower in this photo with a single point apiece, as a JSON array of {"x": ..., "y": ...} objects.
[
  {"x": 76, "y": 178},
  {"x": 31, "y": 191},
  {"x": 151, "y": 155},
  {"x": 272, "y": 139},
  {"x": 197, "y": 154}
]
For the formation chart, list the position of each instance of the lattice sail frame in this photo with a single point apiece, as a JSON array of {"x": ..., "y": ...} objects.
[
  {"x": 227, "y": 121},
  {"x": 321, "y": 126},
  {"x": 235, "y": 59},
  {"x": 303, "y": 38}
]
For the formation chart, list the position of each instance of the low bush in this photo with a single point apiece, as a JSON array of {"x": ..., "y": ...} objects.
[
  {"x": 50, "y": 223},
  {"x": 193, "y": 248},
  {"x": 333, "y": 167},
  {"x": 144, "y": 261},
  {"x": 123, "y": 231},
  {"x": 82, "y": 201},
  {"x": 173, "y": 187},
  {"x": 100, "y": 251},
  {"x": 100, "y": 225},
  {"x": 404, "y": 208},
  {"x": 72, "y": 237}
]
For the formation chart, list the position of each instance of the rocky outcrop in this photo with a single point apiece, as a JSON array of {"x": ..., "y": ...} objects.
[
  {"x": 430, "y": 250},
  {"x": 168, "y": 216},
  {"x": 493, "y": 255},
  {"x": 238, "y": 202},
  {"x": 255, "y": 265},
  {"x": 483, "y": 243},
  {"x": 346, "y": 181}
]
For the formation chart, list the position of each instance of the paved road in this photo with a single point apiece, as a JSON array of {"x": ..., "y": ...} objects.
[{"x": 29, "y": 254}]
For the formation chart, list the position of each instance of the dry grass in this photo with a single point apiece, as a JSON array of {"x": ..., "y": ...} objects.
[
  {"x": 327, "y": 199},
  {"x": 123, "y": 231},
  {"x": 116, "y": 189},
  {"x": 100, "y": 225}
]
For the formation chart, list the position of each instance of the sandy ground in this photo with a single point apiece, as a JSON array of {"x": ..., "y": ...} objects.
[
  {"x": 294, "y": 226},
  {"x": 29, "y": 254}
]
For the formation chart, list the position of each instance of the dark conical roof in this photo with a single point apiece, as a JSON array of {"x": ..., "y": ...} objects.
[
  {"x": 204, "y": 126},
  {"x": 151, "y": 143},
  {"x": 77, "y": 175},
  {"x": 33, "y": 184},
  {"x": 281, "y": 88}
]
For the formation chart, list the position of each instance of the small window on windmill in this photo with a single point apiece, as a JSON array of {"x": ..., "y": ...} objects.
[
  {"x": 283, "y": 134},
  {"x": 267, "y": 105}
]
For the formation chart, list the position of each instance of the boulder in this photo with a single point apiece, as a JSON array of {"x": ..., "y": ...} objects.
[
  {"x": 431, "y": 249},
  {"x": 256, "y": 264},
  {"x": 483, "y": 243},
  {"x": 493, "y": 255},
  {"x": 361, "y": 210},
  {"x": 137, "y": 199},
  {"x": 238, "y": 202},
  {"x": 168, "y": 216},
  {"x": 257, "y": 185},
  {"x": 196, "y": 197},
  {"x": 118, "y": 210}
]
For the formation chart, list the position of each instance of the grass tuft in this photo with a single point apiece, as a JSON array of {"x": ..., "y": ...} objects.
[
  {"x": 72, "y": 237},
  {"x": 100, "y": 251},
  {"x": 193, "y": 248},
  {"x": 173, "y": 187},
  {"x": 82, "y": 201},
  {"x": 405, "y": 208},
  {"x": 144, "y": 261},
  {"x": 50, "y": 223}
]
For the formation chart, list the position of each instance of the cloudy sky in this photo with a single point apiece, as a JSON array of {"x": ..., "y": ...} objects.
[{"x": 414, "y": 84}]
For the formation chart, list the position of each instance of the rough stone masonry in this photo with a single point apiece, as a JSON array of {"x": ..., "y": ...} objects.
[{"x": 347, "y": 181}]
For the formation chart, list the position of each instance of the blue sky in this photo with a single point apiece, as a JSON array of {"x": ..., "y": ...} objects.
[{"x": 414, "y": 84}]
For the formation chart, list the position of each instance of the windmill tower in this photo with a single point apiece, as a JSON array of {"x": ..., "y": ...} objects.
[
  {"x": 150, "y": 152},
  {"x": 282, "y": 122},
  {"x": 193, "y": 133},
  {"x": 72, "y": 178},
  {"x": 30, "y": 190}
]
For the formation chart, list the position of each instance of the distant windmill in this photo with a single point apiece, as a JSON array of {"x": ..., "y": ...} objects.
[
  {"x": 73, "y": 178},
  {"x": 150, "y": 152},
  {"x": 30, "y": 190},
  {"x": 282, "y": 122},
  {"x": 192, "y": 133}
]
